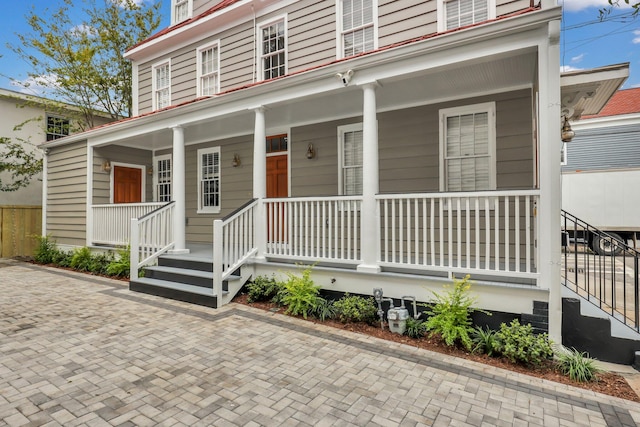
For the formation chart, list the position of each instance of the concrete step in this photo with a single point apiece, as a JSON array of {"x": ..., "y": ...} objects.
[{"x": 177, "y": 291}]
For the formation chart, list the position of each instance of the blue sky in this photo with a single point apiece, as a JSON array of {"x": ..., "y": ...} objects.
[{"x": 586, "y": 42}]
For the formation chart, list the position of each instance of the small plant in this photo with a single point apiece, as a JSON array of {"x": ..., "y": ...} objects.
[
  {"x": 121, "y": 266},
  {"x": 485, "y": 341},
  {"x": 518, "y": 343},
  {"x": 451, "y": 314},
  {"x": 262, "y": 288},
  {"x": 300, "y": 294},
  {"x": 415, "y": 328},
  {"x": 46, "y": 250},
  {"x": 577, "y": 365},
  {"x": 325, "y": 309},
  {"x": 61, "y": 258},
  {"x": 354, "y": 308},
  {"x": 81, "y": 259}
]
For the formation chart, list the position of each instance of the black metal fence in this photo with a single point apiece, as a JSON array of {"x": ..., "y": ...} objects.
[{"x": 601, "y": 269}]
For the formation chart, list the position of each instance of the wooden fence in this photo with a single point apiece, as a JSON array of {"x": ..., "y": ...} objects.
[{"x": 18, "y": 226}]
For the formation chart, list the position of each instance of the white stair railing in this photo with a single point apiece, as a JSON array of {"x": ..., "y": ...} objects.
[
  {"x": 151, "y": 236},
  {"x": 112, "y": 222}
]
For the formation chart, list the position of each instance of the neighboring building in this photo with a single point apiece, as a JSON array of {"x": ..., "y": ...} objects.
[{"x": 392, "y": 143}]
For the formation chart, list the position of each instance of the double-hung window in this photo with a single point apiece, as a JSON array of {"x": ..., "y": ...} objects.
[
  {"x": 273, "y": 49},
  {"x": 209, "y": 180},
  {"x": 208, "y": 70},
  {"x": 181, "y": 10},
  {"x": 357, "y": 26},
  {"x": 162, "y": 175},
  {"x": 161, "y": 85},
  {"x": 459, "y": 13},
  {"x": 57, "y": 127},
  {"x": 350, "y": 152},
  {"x": 467, "y": 148}
]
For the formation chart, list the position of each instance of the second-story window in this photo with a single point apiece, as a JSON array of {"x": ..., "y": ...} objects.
[
  {"x": 208, "y": 70},
  {"x": 358, "y": 26},
  {"x": 161, "y": 85},
  {"x": 273, "y": 49},
  {"x": 182, "y": 9},
  {"x": 459, "y": 13},
  {"x": 57, "y": 127}
]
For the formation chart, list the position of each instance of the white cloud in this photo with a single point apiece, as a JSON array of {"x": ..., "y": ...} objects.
[
  {"x": 577, "y": 58},
  {"x": 636, "y": 39},
  {"x": 122, "y": 3},
  {"x": 81, "y": 29},
  {"x": 567, "y": 68},
  {"x": 577, "y": 5},
  {"x": 38, "y": 86}
]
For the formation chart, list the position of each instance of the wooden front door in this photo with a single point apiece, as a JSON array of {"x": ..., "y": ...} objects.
[
  {"x": 127, "y": 185},
  {"x": 277, "y": 186}
]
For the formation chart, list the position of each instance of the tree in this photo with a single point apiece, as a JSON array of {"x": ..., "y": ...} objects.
[
  {"x": 604, "y": 12},
  {"x": 19, "y": 161},
  {"x": 81, "y": 63}
]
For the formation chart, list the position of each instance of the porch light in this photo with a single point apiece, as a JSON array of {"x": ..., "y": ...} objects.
[
  {"x": 311, "y": 152},
  {"x": 236, "y": 160},
  {"x": 567, "y": 133},
  {"x": 150, "y": 171},
  {"x": 106, "y": 166}
]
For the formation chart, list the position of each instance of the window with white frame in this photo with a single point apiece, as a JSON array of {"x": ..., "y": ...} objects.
[
  {"x": 181, "y": 10},
  {"x": 57, "y": 127},
  {"x": 357, "y": 29},
  {"x": 459, "y": 13},
  {"x": 161, "y": 85},
  {"x": 208, "y": 70},
  {"x": 209, "y": 180},
  {"x": 350, "y": 152},
  {"x": 162, "y": 177},
  {"x": 467, "y": 148},
  {"x": 273, "y": 49}
]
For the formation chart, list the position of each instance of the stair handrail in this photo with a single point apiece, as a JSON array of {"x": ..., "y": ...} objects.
[
  {"x": 604, "y": 297},
  {"x": 156, "y": 229},
  {"x": 233, "y": 243}
]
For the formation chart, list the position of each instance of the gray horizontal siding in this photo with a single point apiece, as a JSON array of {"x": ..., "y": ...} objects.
[
  {"x": 117, "y": 154},
  {"x": 505, "y": 7},
  {"x": 312, "y": 34},
  {"x": 67, "y": 193},
  {"x": 612, "y": 147},
  {"x": 236, "y": 56},
  {"x": 401, "y": 20}
]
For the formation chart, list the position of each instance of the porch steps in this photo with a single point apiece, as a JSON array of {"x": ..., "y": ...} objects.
[{"x": 184, "y": 278}]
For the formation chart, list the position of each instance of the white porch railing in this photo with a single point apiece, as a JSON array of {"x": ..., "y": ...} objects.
[
  {"x": 151, "y": 236},
  {"x": 490, "y": 232},
  {"x": 314, "y": 228},
  {"x": 112, "y": 223},
  {"x": 234, "y": 241}
]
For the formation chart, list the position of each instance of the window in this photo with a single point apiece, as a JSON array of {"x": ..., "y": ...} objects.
[
  {"x": 467, "y": 148},
  {"x": 57, "y": 127},
  {"x": 358, "y": 29},
  {"x": 209, "y": 180},
  {"x": 350, "y": 151},
  {"x": 181, "y": 10},
  {"x": 161, "y": 85},
  {"x": 459, "y": 13},
  {"x": 208, "y": 70},
  {"x": 162, "y": 175},
  {"x": 277, "y": 143},
  {"x": 273, "y": 49}
]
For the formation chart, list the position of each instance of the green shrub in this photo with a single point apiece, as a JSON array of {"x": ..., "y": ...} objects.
[
  {"x": 62, "y": 258},
  {"x": 46, "y": 250},
  {"x": 262, "y": 288},
  {"x": 415, "y": 328},
  {"x": 81, "y": 259},
  {"x": 325, "y": 309},
  {"x": 354, "y": 308},
  {"x": 485, "y": 341},
  {"x": 450, "y": 315},
  {"x": 577, "y": 366},
  {"x": 120, "y": 267},
  {"x": 300, "y": 294},
  {"x": 518, "y": 343}
]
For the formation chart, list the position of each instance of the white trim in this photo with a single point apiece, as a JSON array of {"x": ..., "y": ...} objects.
[
  {"x": 143, "y": 184},
  {"x": 442, "y": 23},
  {"x": 174, "y": 20},
  {"x": 213, "y": 44},
  {"x": 209, "y": 209},
  {"x": 354, "y": 127},
  {"x": 259, "y": 53},
  {"x": 135, "y": 89},
  {"x": 486, "y": 107},
  {"x": 45, "y": 202},
  {"x": 89, "y": 199},
  {"x": 339, "y": 29},
  {"x": 154, "y": 83},
  {"x": 156, "y": 171}
]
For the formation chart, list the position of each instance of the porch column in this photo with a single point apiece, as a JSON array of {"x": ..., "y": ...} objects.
[
  {"x": 370, "y": 181},
  {"x": 550, "y": 146},
  {"x": 260, "y": 179},
  {"x": 177, "y": 192}
]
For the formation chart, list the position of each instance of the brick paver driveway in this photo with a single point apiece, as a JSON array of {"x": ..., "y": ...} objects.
[{"x": 80, "y": 350}]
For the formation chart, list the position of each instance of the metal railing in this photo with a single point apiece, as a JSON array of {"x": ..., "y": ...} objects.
[
  {"x": 151, "y": 236},
  {"x": 601, "y": 269}
]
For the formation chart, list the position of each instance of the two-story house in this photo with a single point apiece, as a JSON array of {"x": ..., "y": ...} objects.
[{"x": 392, "y": 143}]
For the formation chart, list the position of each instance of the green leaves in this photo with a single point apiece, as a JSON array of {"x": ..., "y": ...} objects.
[
  {"x": 300, "y": 294},
  {"x": 354, "y": 308},
  {"x": 21, "y": 160},
  {"x": 518, "y": 343},
  {"x": 577, "y": 366}
]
